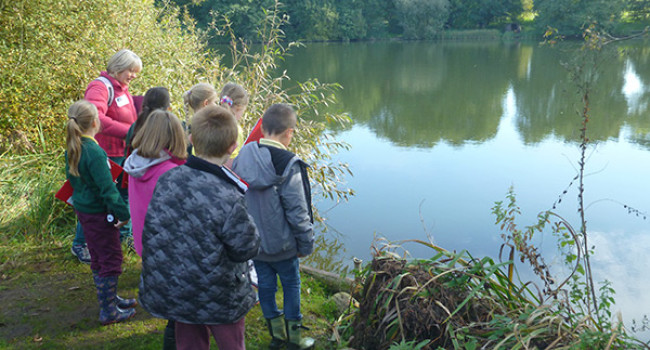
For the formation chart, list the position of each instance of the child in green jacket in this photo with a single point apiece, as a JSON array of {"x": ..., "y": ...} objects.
[{"x": 97, "y": 202}]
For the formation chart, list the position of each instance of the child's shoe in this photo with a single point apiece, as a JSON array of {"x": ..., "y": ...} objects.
[
  {"x": 81, "y": 252},
  {"x": 126, "y": 303},
  {"x": 278, "y": 332},
  {"x": 121, "y": 302},
  {"x": 109, "y": 312},
  {"x": 296, "y": 340}
]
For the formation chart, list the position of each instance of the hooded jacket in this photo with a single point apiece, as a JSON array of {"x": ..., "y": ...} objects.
[
  {"x": 196, "y": 240},
  {"x": 279, "y": 199},
  {"x": 115, "y": 119},
  {"x": 143, "y": 176}
]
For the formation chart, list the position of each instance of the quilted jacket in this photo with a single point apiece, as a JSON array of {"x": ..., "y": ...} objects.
[{"x": 196, "y": 240}]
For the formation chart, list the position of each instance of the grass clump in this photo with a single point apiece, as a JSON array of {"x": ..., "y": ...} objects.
[{"x": 454, "y": 301}]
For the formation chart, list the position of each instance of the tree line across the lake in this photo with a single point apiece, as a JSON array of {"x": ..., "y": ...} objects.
[{"x": 418, "y": 19}]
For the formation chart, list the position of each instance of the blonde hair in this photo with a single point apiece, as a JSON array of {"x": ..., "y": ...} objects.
[
  {"x": 214, "y": 130},
  {"x": 197, "y": 95},
  {"x": 123, "y": 60},
  {"x": 233, "y": 95},
  {"x": 81, "y": 115},
  {"x": 161, "y": 131}
]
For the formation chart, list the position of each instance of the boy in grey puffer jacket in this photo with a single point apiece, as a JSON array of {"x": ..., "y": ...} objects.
[
  {"x": 196, "y": 240},
  {"x": 279, "y": 200}
]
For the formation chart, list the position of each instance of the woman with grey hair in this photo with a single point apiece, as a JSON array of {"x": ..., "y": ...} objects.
[{"x": 117, "y": 111}]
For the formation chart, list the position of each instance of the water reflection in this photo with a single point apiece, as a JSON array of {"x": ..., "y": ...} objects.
[
  {"x": 420, "y": 94},
  {"x": 441, "y": 131},
  {"x": 622, "y": 259}
]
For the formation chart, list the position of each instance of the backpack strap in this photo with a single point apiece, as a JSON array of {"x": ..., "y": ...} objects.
[{"x": 109, "y": 87}]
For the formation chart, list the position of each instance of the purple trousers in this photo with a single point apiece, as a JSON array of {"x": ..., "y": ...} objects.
[
  {"x": 103, "y": 241},
  {"x": 197, "y": 336}
]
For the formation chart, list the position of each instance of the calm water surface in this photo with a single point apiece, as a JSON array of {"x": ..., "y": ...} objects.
[{"x": 442, "y": 130}]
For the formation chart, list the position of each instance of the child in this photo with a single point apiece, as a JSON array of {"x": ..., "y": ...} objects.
[
  {"x": 279, "y": 199},
  {"x": 197, "y": 97},
  {"x": 96, "y": 200},
  {"x": 159, "y": 146},
  {"x": 234, "y": 97},
  {"x": 155, "y": 98},
  {"x": 196, "y": 240}
]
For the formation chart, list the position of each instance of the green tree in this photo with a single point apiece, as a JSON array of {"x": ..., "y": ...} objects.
[
  {"x": 569, "y": 17},
  {"x": 483, "y": 13},
  {"x": 310, "y": 19},
  {"x": 245, "y": 17},
  {"x": 51, "y": 49},
  {"x": 352, "y": 22},
  {"x": 638, "y": 10},
  {"x": 421, "y": 19}
]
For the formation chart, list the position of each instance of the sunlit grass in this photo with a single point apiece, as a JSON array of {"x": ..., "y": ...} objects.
[{"x": 49, "y": 301}]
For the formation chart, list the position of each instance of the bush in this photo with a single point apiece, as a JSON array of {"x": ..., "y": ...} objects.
[{"x": 52, "y": 49}]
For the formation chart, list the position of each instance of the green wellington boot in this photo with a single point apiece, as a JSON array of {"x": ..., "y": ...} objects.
[
  {"x": 278, "y": 332},
  {"x": 296, "y": 340}
]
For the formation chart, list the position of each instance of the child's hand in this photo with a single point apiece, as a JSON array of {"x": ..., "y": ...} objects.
[{"x": 121, "y": 223}]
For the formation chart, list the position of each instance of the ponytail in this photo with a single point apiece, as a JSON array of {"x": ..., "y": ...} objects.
[
  {"x": 81, "y": 115},
  {"x": 195, "y": 97}
]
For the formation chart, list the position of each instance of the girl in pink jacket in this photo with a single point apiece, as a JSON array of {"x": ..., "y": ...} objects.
[{"x": 159, "y": 145}]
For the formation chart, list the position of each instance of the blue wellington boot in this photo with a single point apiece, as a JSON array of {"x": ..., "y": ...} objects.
[
  {"x": 109, "y": 312},
  {"x": 121, "y": 302}
]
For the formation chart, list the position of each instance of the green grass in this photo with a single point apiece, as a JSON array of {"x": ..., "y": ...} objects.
[
  {"x": 48, "y": 301},
  {"x": 48, "y": 297}
]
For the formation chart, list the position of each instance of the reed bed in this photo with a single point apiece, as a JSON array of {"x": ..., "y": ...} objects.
[
  {"x": 27, "y": 187},
  {"x": 454, "y": 301}
]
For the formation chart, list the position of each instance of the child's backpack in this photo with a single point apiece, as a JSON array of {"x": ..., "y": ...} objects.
[{"x": 109, "y": 87}]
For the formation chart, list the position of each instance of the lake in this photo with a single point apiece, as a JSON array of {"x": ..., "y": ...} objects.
[{"x": 441, "y": 131}]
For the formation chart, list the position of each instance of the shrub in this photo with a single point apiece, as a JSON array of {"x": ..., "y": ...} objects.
[{"x": 52, "y": 49}]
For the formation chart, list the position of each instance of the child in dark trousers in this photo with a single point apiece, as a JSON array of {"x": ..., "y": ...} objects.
[
  {"x": 279, "y": 199},
  {"x": 196, "y": 240},
  {"x": 94, "y": 198}
]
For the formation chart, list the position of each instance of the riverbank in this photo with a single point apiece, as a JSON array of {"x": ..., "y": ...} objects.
[{"x": 49, "y": 301}]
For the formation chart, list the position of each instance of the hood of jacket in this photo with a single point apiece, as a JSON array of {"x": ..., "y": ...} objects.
[
  {"x": 255, "y": 166},
  {"x": 137, "y": 166}
]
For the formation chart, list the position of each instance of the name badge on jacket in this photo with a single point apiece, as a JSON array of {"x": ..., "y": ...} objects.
[{"x": 122, "y": 101}]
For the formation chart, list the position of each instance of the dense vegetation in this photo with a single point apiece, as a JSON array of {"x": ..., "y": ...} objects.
[{"x": 418, "y": 19}]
